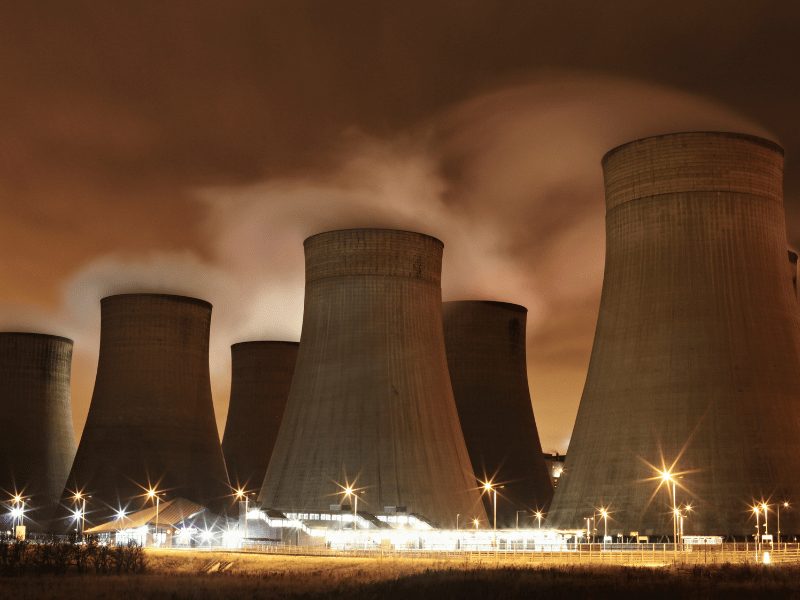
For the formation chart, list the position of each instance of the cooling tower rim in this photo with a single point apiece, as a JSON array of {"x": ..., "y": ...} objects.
[
  {"x": 498, "y": 303},
  {"x": 175, "y": 297},
  {"x": 771, "y": 144},
  {"x": 49, "y": 336},
  {"x": 373, "y": 230},
  {"x": 250, "y": 343}
]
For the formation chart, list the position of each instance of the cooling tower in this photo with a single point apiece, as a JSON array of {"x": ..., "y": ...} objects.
[
  {"x": 260, "y": 382},
  {"x": 371, "y": 398},
  {"x": 151, "y": 418},
  {"x": 695, "y": 359},
  {"x": 485, "y": 344},
  {"x": 37, "y": 444}
]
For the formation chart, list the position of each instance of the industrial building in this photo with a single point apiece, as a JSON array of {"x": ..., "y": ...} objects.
[
  {"x": 151, "y": 420},
  {"x": 37, "y": 444},
  {"x": 485, "y": 344},
  {"x": 371, "y": 404},
  {"x": 691, "y": 398},
  {"x": 261, "y": 376}
]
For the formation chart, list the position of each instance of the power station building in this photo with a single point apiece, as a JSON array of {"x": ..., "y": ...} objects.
[
  {"x": 371, "y": 402},
  {"x": 260, "y": 381},
  {"x": 37, "y": 443},
  {"x": 151, "y": 420},
  {"x": 695, "y": 369},
  {"x": 485, "y": 344}
]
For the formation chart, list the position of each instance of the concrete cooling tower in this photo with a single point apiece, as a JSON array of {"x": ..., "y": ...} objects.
[
  {"x": 485, "y": 344},
  {"x": 260, "y": 382},
  {"x": 151, "y": 419},
  {"x": 695, "y": 362},
  {"x": 371, "y": 399},
  {"x": 37, "y": 444}
]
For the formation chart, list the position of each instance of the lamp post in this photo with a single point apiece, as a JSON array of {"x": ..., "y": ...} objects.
[
  {"x": 80, "y": 501},
  {"x": 604, "y": 514},
  {"x": 785, "y": 504},
  {"x": 666, "y": 477},
  {"x": 475, "y": 522},
  {"x": 588, "y": 531},
  {"x": 151, "y": 494},
  {"x": 757, "y": 511},
  {"x": 348, "y": 493},
  {"x": 765, "y": 508},
  {"x": 242, "y": 495},
  {"x": 18, "y": 509},
  {"x": 490, "y": 488},
  {"x": 457, "y": 516},
  {"x": 538, "y": 514}
]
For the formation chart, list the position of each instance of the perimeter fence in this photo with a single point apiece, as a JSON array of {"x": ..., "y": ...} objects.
[{"x": 611, "y": 554}]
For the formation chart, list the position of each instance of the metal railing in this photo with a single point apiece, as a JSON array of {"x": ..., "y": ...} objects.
[{"x": 611, "y": 554}]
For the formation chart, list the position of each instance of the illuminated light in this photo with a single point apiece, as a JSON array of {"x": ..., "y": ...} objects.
[
  {"x": 756, "y": 509},
  {"x": 16, "y": 513},
  {"x": 17, "y": 499},
  {"x": 487, "y": 486},
  {"x": 475, "y": 522},
  {"x": 120, "y": 514},
  {"x": 207, "y": 535},
  {"x": 77, "y": 496},
  {"x": 766, "y": 559},
  {"x": 239, "y": 493},
  {"x": 151, "y": 493},
  {"x": 666, "y": 476}
]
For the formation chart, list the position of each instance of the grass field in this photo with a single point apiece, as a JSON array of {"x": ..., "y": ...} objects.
[{"x": 178, "y": 575}]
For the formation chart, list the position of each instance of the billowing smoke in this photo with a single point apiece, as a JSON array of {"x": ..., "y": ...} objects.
[{"x": 510, "y": 181}]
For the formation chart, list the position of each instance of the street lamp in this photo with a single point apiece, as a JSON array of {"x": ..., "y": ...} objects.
[
  {"x": 539, "y": 514},
  {"x": 604, "y": 514},
  {"x": 79, "y": 497},
  {"x": 784, "y": 504},
  {"x": 475, "y": 522},
  {"x": 457, "y": 516},
  {"x": 348, "y": 493},
  {"x": 757, "y": 511},
  {"x": 151, "y": 494},
  {"x": 242, "y": 495},
  {"x": 765, "y": 508},
  {"x": 18, "y": 509},
  {"x": 491, "y": 488},
  {"x": 667, "y": 478}
]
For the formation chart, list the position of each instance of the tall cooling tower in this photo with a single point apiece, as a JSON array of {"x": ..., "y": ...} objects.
[
  {"x": 151, "y": 419},
  {"x": 695, "y": 358},
  {"x": 260, "y": 382},
  {"x": 485, "y": 344},
  {"x": 37, "y": 443},
  {"x": 371, "y": 398}
]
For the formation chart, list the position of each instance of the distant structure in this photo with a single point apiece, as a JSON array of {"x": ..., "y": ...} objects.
[
  {"x": 555, "y": 466},
  {"x": 260, "y": 382},
  {"x": 793, "y": 269},
  {"x": 37, "y": 443},
  {"x": 695, "y": 367},
  {"x": 371, "y": 400},
  {"x": 485, "y": 344},
  {"x": 151, "y": 420}
]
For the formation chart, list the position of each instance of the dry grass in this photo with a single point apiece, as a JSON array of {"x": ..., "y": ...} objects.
[{"x": 178, "y": 575}]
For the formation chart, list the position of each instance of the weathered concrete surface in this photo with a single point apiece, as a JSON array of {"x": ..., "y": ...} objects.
[
  {"x": 261, "y": 378},
  {"x": 37, "y": 443},
  {"x": 793, "y": 269},
  {"x": 695, "y": 356},
  {"x": 151, "y": 418},
  {"x": 485, "y": 344},
  {"x": 371, "y": 396}
]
